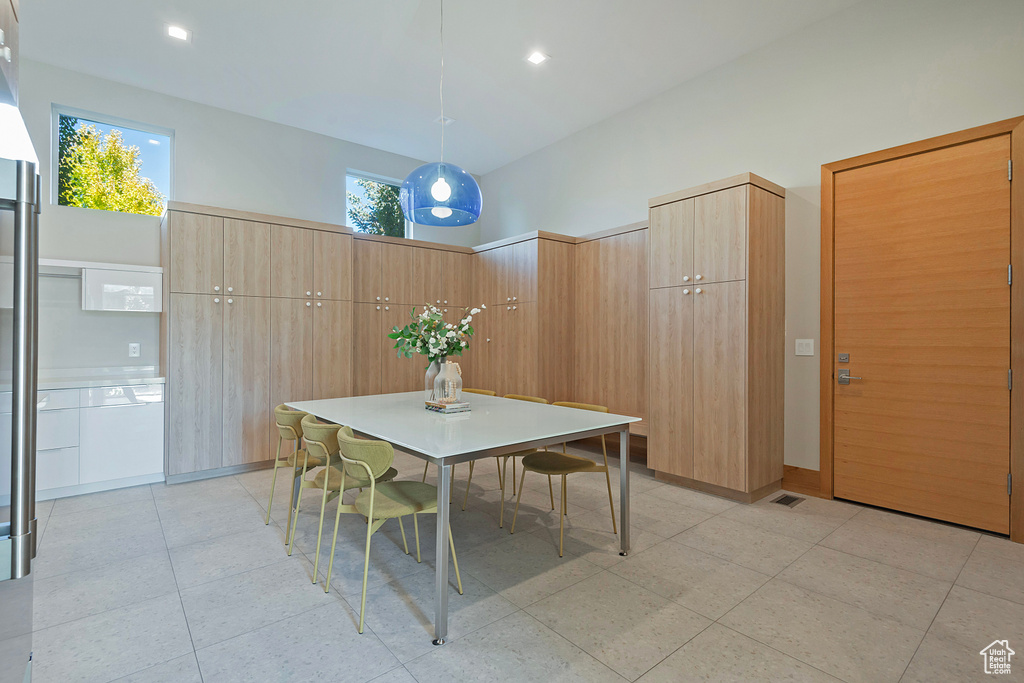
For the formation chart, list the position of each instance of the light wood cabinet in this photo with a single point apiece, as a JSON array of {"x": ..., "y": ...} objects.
[
  {"x": 332, "y": 349},
  {"x": 196, "y": 259},
  {"x": 398, "y": 265},
  {"x": 457, "y": 280},
  {"x": 246, "y": 258},
  {"x": 428, "y": 277},
  {"x": 246, "y": 384},
  {"x": 367, "y": 349},
  {"x": 397, "y": 373},
  {"x": 291, "y": 262},
  {"x": 291, "y": 344},
  {"x": 717, "y": 344},
  {"x": 332, "y": 266},
  {"x": 366, "y": 270}
]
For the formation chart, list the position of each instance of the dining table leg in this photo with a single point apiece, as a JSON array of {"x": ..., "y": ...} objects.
[
  {"x": 444, "y": 492},
  {"x": 624, "y": 492}
]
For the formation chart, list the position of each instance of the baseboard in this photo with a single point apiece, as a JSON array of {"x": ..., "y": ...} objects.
[
  {"x": 95, "y": 487},
  {"x": 218, "y": 472},
  {"x": 801, "y": 480},
  {"x": 731, "y": 494}
]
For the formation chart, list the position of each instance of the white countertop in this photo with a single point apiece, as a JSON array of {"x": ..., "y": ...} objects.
[
  {"x": 71, "y": 381},
  {"x": 493, "y": 422}
]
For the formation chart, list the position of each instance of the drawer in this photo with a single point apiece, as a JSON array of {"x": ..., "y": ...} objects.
[
  {"x": 58, "y": 399},
  {"x": 56, "y": 468},
  {"x": 55, "y": 429},
  {"x": 122, "y": 441},
  {"x": 127, "y": 395}
]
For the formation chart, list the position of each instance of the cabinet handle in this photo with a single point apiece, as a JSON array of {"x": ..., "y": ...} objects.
[
  {"x": 439, "y": 301},
  {"x": 698, "y": 277},
  {"x": 378, "y": 308},
  {"x": 508, "y": 308},
  {"x": 230, "y": 289},
  {"x": 698, "y": 291},
  {"x": 686, "y": 291},
  {"x": 309, "y": 293},
  {"x": 515, "y": 299},
  {"x": 488, "y": 341},
  {"x": 319, "y": 293},
  {"x": 378, "y": 298},
  {"x": 319, "y": 304},
  {"x": 216, "y": 288},
  {"x": 508, "y": 299},
  {"x": 446, "y": 302},
  {"x": 387, "y": 308},
  {"x": 513, "y": 308},
  {"x": 231, "y": 301},
  {"x": 387, "y": 298},
  {"x": 686, "y": 278},
  {"x": 446, "y": 310},
  {"x": 309, "y": 303},
  {"x": 216, "y": 300}
]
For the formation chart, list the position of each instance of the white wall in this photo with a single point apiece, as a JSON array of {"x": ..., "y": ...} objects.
[{"x": 877, "y": 75}]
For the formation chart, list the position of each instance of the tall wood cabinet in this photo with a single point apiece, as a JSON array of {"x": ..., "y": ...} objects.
[
  {"x": 717, "y": 336},
  {"x": 256, "y": 312}
]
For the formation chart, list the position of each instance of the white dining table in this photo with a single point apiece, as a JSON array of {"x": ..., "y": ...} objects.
[{"x": 493, "y": 427}]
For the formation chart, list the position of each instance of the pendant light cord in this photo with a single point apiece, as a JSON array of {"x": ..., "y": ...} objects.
[{"x": 442, "y": 82}]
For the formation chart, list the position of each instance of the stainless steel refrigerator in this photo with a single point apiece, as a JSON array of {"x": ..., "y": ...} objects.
[{"x": 19, "y": 223}]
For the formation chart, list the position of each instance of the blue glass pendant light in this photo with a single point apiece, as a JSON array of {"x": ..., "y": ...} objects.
[{"x": 441, "y": 193}]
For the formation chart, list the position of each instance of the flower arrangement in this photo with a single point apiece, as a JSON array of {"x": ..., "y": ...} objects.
[{"x": 429, "y": 335}]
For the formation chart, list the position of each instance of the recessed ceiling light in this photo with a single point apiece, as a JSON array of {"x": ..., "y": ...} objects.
[
  {"x": 537, "y": 58},
  {"x": 446, "y": 120},
  {"x": 179, "y": 32}
]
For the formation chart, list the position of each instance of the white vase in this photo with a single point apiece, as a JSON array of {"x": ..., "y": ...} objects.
[
  {"x": 448, "y": 383},
  {"x": 428, "y": 380}
]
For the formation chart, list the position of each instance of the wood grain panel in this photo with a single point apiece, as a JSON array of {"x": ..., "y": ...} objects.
[
  {"x": 366, "y": 348},
  {"x": 366, "y": 271},
  {"x": 719, "y": 384},
  {"x": 246, "y": 258},
  {"x": 332, "y": 349},
  {"x": 291, "y": 262},
  {"x": 1017, "y": 337},
  {"x": 246, "y": 411},
  {"x": 457, "y": 280},
  {"x": 554, "y": 346},
  {"x": 197, "y": 253},
  {"x": 720, "y": 235},
  {"x": 922, "y": 306},
  {"x": 398, "y": 274},
  {"x": 291, "y": 351},
  {"x": 766, "y": 330},
  {"x": 801, "y": 480},
  {"x": 428, "y": 277},
  {"x": 525, "y": 263},
  {"x": 332, "y": 266},
  {"x": 524, "y": 371},
  {"x": 670, "y": 412},
  {"x": 671, "y": 244},
  {"x": 398, "y": 374},
  {"x": 194, "y": 383}
]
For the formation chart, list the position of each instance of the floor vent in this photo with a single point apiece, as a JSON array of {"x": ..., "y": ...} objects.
[{"x": 788, "y": 500}]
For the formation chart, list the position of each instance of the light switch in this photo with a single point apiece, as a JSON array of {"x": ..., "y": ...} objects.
[
  {"x": 805, "y": 347},
  {"x": 134, "y": 349}
]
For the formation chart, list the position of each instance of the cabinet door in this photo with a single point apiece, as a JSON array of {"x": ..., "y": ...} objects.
[
  {"x": 521, "y": 367},
  {"x": 196, "y": 253},
  {"x": 247, "y": 403},
  {"x": 488, "y": 273},
  {"x": 291, "y": 262},
  {"x": 195, "y": 372},
  {"x": 120, "y": 442},
  {"x": 246, "y": 258},
  {"x": 428, "y": 277},
  {"x": 670, "y": 409},
  {"x": 524, "y": 263},
  {"x": 671, "y": 244},
  {"x": 291, "y": 351},
  {"x": 719, "y": 385},
  {"x": 397, "y": 273},
  {"x": 478, "y": 371},
  {"x": 720, "y": 235},
  {"x": 398, "y": 374},
  {"x": 366, "y": 348},
  {"x": 457, "y": 280},
  {"x": 366, "y": 270},
  {"x": 332, "y": 266},
  {"x": 332, "y": 349}
]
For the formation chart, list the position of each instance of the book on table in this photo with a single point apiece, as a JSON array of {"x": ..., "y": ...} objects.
[{"x": 446, "y": 408}]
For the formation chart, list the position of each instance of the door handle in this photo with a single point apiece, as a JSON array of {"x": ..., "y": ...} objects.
[{"x": 844, "y": 376}]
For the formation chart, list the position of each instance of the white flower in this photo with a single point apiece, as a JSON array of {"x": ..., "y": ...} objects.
[
  {"x": 451, "y": 334},
  {"x": 483, "y": 306},
  {"x": 474, "y": 311},
  {"x": 465, "y": 344}
]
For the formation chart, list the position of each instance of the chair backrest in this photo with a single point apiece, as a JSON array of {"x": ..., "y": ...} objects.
[
  {"x": 581, "y": 406},
  {"x": 483, "y": 392},
  {"x": 321, "y": 437},
  {"x": 289, "y": 422},
  {"x": 532, "y": 399},
  {"x": 378, "y": 455}
]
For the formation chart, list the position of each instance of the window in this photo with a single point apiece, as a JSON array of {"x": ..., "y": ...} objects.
[
  {"x": 372, "y": 205},
  {"x": 102, "y": 164}
]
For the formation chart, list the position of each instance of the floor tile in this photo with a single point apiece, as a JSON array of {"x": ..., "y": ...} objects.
[
  {"x": 203, "y": 489},
  {"x": 60, "y": 554},
  {"x": 228, "y": 607},
  {"x": 112, "y": 644},
  {"x": 525, "y": 569},
  {"x": 923, "y": 528},
  {"x": 704, "y": 583},
  {"x": 693, "y": 499},
  {"x": 591, "y": 538},
  {"x": 975, "y": 619},
  {"x": 995, "y": 567},
  {"x": 284, "y": 652},
  {"x": 86, "y": 592},
  {"x": 399, "y": 675},
  {"x": 811, "y": 520},
  {"x": 837, "y": 638},
  {"x": 90, "y": 501},
  {"x": 626, "y": 627},
  {"x": 109, "y": 519},
  {"x": 662, "y": 517},
  {"x": 517, "y": 647},
  {"x": 725, "y": 656},
  {"x": 185, "y": 523},
  {"x": 204, "y": 561},
  {"x": 184, "y": 669},
  {"x": 758, "y": 549},
  {"x": 893, "y": 542},
  {"x": 401, "y": 613},
  {"x": 944, "y": 661},
  {"x": 907, "y": 597}
]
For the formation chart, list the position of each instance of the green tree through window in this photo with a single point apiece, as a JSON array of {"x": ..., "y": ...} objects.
[{"x": 376, "y": 210}]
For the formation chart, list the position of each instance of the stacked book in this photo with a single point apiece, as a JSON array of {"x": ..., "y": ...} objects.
[{"x": 447, "y": 408}]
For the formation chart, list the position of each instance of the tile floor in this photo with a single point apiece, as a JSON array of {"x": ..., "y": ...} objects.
[{"x": 184, "y": 583}]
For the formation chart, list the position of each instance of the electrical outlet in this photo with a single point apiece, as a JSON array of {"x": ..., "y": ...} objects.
[
  {"x": 805, "y": 347},
  {"x": 134, "y": 349}
]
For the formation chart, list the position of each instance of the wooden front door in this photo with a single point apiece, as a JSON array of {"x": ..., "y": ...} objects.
[{"x": 922, "y": 307}]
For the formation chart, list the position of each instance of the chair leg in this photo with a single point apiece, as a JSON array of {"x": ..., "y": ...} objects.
[
  {"x": 366, "y": 571},
  {"x": 503, "y": 466},
  {"x": 513, "y": 476},
  {"x": 611, "y": 503},
  {"x": 320, "y": 529},
  {"x": 518, "y": 498},
  {"x": 334, "y": 543},
  {"x": 497, "y": 462},
  {"x": 425, "y": 466},
  {"x": 551, "y": 492},
  {"x": 416, "y": 526},
  {"x": 295, "y": 519},
  {"x": 405, "y": 543},
  {"x": 561, "y": 520},
  {"x": 451, "y": 544},
  {"x": 273, "y": 482},
  {"x": 468, "y": 482}
]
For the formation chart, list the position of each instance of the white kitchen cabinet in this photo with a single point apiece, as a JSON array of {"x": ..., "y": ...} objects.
[
  {"x": 121, "y": 441},
  {"x": 56, "y": 468}
]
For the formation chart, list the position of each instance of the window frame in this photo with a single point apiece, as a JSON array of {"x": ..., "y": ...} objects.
[
  {"x": 57, "y": 110},
  {"x": 377, "y": 178}
]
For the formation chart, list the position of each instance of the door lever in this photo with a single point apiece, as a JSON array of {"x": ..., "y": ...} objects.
[{"x": 844, "y": 376}]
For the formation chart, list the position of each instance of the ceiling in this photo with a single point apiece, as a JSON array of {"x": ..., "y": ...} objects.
[{"x": 368, "y": 71}]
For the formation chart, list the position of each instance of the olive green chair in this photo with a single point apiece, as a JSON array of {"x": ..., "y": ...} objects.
[
  {"x": 502, "y": 461},
  {"x": 367, "y": 461},
  {"x": 312, "y": 458},
  {"x": 289, "y": 428},
  {"x": 322, "y": 442},
  {"x": 553, "y": 463}
]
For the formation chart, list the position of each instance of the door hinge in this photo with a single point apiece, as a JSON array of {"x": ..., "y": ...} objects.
[
  {"x": 1009, "y": 379},
  {"x": 1009, "y": 484},
  {"x": 1009, "y": 274},
  {"x": 1009, "y": 169}
]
